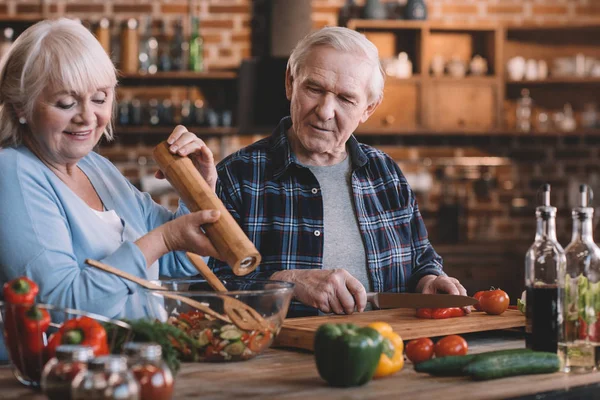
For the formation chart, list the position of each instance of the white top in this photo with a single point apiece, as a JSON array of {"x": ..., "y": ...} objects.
[{"x": 112, "y": 220}]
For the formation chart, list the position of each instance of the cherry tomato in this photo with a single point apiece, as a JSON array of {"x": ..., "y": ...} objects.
[
  {"x": 450, "y": 312},
  {"x": 452, "y": 345},
  {"x": 494, "y": 302},
  {"x": 419, "y": 350},
  {"x": 478, "y": 297}
]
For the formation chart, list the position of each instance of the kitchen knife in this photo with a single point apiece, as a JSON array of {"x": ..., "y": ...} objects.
[{"x": 418, "y": 300}]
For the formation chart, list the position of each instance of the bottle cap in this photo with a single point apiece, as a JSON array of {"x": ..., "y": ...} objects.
[{"x": 75, "y": 352}]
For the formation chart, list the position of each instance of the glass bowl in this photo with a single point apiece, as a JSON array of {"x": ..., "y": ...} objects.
[
  {"x": 27, "y": 342},
  {"x": 213, "y": 338}
]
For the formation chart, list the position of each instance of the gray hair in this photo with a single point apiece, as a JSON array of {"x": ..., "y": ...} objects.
[
  {"x": 59, "y": 53},
  {"x": 342, "y": 39}
]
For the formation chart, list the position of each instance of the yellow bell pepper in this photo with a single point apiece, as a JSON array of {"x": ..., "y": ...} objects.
[{"x": 392, "y": 357}]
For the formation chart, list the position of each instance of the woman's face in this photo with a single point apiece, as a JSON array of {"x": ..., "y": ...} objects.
[{"x": 66, "y": 126}]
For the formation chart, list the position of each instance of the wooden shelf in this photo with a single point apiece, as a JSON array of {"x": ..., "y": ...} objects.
[
  {"x": 385, "y": 24},
  {"x": 468, "y": 78},
  {"x": 183, "y": 75},
  {"x": 406, "y": 24},
  {"x": 167, "y": 129},
  {"x": 556, "y": 81},
  {"x": 471, "y": 132}
]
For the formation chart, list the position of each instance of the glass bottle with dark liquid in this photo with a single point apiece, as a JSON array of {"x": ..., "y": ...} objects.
[
  {"x": 582, "y": 292},
  {"x": 545, "y": 265}
]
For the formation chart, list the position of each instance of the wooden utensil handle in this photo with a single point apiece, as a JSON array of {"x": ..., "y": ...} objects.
[
  {"x": 206, "y": 272},
  {"x": 123, "y": 274},
  {"x": 226, "y": 235},
  {"x": 149, "y": 285}
]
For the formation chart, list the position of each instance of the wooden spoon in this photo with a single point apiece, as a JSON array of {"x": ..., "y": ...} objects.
[
  {"x": 242, "y": 315},
  {"x": 149, "y": 285}
]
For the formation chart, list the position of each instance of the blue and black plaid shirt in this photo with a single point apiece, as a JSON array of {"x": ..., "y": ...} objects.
[{"x": 278, "y": 204}]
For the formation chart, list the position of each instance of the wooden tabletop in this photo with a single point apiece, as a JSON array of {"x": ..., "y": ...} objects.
[{"x": 291, "y": 374}]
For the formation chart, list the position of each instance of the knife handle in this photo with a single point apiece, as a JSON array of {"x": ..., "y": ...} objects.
[{"x": 372, "y": 298}]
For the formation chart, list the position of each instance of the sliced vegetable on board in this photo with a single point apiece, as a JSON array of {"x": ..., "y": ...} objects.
[{"x": 440, "y": 313}]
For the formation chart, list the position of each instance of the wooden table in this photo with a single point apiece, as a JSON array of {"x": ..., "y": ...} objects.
[{"x": 291, "y": 374}]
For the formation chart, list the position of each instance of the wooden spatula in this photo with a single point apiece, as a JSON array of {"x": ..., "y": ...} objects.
[
  {"x": 242, "y": 315},
  {"x": 149, "y": 285}
]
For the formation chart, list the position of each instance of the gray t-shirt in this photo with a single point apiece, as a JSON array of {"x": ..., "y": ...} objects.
[{"x": 343, "y": 244}]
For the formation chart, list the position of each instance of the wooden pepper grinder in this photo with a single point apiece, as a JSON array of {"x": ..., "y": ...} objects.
[{"x": 226, "y": 235}]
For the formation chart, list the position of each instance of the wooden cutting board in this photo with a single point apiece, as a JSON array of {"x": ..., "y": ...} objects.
[{"x": 299, "y": 332}]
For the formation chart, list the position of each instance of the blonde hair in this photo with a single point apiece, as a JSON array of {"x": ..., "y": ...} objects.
[
  {"x": 60, "y": 53},
  {"x": 341, "y": 39}
]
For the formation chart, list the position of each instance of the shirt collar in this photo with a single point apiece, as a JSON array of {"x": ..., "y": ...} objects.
[{"x": 284, "y": 158}]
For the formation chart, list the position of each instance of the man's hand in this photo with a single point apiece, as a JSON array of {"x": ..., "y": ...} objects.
[
  {"x": 431, "y": 284},
  {"x": 328, "y": 290}
]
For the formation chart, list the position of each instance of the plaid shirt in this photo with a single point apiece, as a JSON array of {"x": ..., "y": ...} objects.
[{"x": 278, "y": 204}]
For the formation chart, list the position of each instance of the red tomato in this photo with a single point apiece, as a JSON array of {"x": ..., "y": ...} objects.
[
  {"x": 494, "y": 302},
  {"x": 452, "y": 345},
  {"x": 419, "y": 350},
  {"x": 478, "y": 297}
]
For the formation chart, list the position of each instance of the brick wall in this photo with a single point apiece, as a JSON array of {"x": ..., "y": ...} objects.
[
  {"x": 225, "y": 24},
  {"x": 516, "y": 166}
]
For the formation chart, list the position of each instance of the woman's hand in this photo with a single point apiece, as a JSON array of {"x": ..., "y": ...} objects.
[
  {"x": 183, "y": 233},
  {"x": 184, "y": 143}
]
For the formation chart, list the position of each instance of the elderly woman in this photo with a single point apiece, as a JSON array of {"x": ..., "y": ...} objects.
[{"x": 60, "y": 202}]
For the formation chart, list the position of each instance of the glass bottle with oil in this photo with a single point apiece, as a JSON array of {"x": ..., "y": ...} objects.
[
  {"x": 544, "y": 280},
  {"x": 581, "y": 297}
]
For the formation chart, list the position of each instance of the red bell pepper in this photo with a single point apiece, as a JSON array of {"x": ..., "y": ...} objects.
[
  {"x": 81, "y": 330},
  {"x": 20, "y": 291},
  {"x": 35, "y": 322},
  {"x": 440, "y": 313},
  {"x": 18, "y": 294}
]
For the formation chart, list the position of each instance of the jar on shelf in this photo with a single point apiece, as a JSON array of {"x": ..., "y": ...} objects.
[
  {"x": 151, "y": 372},
  {"x": 106, "y": 377},
  {"x": 61, "y": 370}
]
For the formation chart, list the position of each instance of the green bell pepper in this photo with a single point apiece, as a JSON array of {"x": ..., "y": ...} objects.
[{"x": 347, "y": 355}]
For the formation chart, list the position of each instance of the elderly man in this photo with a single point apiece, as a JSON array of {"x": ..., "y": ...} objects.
[{"x": 332, "y": 215}]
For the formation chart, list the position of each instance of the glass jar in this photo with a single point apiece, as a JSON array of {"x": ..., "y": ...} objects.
[
  {"x": 106, "y": 377},
  {"x": 151, "y": 372},
  {"x": 60, "y": 371}
]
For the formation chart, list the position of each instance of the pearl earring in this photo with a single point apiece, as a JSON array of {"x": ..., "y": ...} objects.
[{"x": 22, "y": 120}]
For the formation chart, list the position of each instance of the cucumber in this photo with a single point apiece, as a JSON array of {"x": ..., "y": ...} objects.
[
  {"x": 231, "y": 334},
  {"x": 235, "y": 349},
  {"x": 454, "y": 365},
  {"x": 503, "y": 365}
]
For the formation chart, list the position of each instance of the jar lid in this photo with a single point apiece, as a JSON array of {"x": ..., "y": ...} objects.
[
  {"x": 148, "y": 351},
  {"x": 110, "y": 363},
  {"x": 75, "y": 352}
]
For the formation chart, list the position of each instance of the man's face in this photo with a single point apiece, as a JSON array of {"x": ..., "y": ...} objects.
[{"x": 329, "y": 98}]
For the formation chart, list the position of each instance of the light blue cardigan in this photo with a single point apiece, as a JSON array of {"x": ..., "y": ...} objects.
[{"x": 47, "y": 232}]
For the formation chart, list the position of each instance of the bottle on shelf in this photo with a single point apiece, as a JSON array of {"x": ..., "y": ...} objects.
[
  {"x": 129, "y": 47},
  {"x": 523, "y": 112},
  {"x": 196, "y": 47},
  {"x": 581, "y": 328},
  {"x": 7, "y": 39},
  {"x": 178, "y": 45},
  {"x": 148, "y": 54},
  {"x": 164, "y": 49},
  {"x": 545, "y": 265},
  {"x": 102, "y": 33}
]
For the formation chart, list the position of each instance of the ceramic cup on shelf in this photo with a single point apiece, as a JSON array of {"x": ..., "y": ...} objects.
[{"x": 516, "y": 68}]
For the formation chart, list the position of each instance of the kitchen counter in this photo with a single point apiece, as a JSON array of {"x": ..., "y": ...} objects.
[{"x": 290, "y": 374}]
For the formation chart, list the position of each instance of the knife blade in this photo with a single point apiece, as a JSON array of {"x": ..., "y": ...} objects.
[{"x": 418, "y": 300}]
